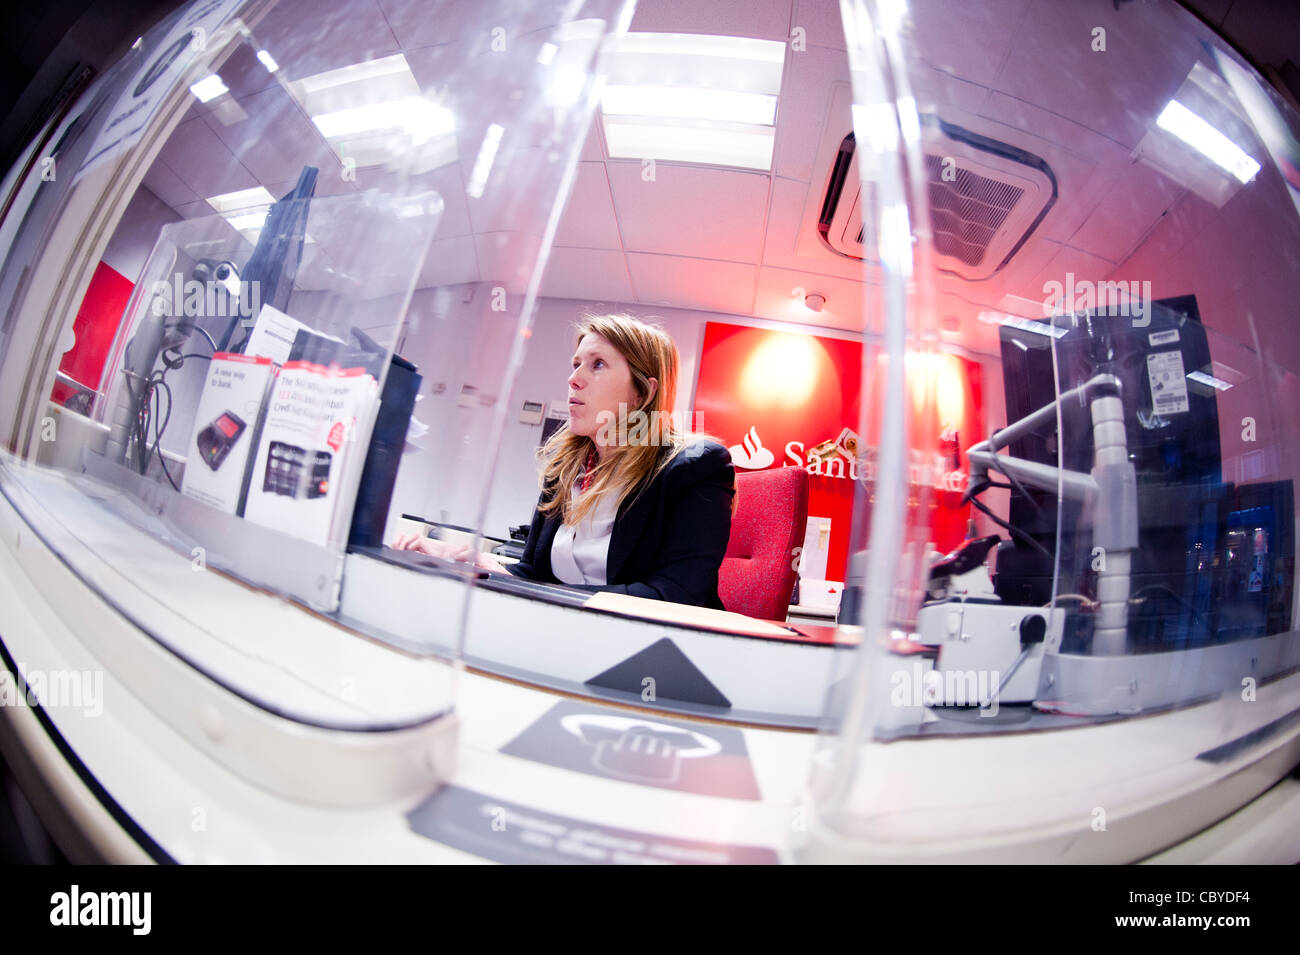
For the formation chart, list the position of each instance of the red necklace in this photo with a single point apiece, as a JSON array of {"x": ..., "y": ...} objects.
[{"x": 587, "y": 467}]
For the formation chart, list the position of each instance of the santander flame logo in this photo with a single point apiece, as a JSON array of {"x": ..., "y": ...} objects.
[{"x": 751, "y": 454}]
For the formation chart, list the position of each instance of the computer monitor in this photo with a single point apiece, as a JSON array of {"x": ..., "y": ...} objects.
[{"x": 1171, "y": 424}]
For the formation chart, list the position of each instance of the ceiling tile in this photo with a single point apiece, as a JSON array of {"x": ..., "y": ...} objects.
[
  {"x": 203, "y": 162},
  {"x": 968, "y": 40},
  {"x": 307, "y": 37},
  {"x": 244, "y": 74},
  {"x": 520, "y": 192},
  {"x": 277, "y": 139},
  {"x": 937, "y": 92},
  {"x": 692, "y": 283},
  {"x": 194, "y": 210},
  {"x": 597, "y": 275},
  {"x": 1084, "y": 266},
  {"x": 1117, "y": 92},
  {"x": 689, "y": 210},
  {"x": 167, "y": 186},
  {"x": 802, "y": 113},
  {"x": 593, "y": 147},
  {"x": 416, "y": 23},
  {"x": 1053, "y": 127},
  {"x": 821, "y": 23},
  {"x": 1129, "y": 209},
  {"x": 449, "y": 262},
  {"x": 781, "y": 298},
  {"x": 445, "y": 180},
  {"x": 588, "y": 220},
  {"x": 499, "y": 261}
]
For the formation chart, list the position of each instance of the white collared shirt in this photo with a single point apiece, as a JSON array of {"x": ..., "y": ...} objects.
[{"x": 580, "y": 554}]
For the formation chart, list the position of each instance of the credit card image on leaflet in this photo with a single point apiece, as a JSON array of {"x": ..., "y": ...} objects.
[
  {"x": 216, "y": 440},
  {"x": 296, "y": 472}
]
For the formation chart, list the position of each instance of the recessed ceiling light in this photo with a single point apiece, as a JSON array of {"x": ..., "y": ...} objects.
[
  {"x": 209, "y": 88},
  {"x": 734, "y": 106},
  {"x": 268, "y": 61},
  {"x": 1208, "y": 141},
  {"x": 414, "y": 115},
  {"x": 242, "y": 201},
  {"x": 363, "y": 110},
  {"x": 692, "y": 98},
  {"x": 248, "y": 221}
]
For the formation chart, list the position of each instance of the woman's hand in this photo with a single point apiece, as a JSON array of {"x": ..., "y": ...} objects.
[
  {"x": 490, "y": 562},
  {"x": 424, "y": 545},
  {"x": 447, "y": 551}
]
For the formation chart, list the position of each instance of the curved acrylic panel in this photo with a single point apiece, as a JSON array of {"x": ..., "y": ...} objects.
[
  {"x": 1076, "y": 604},
  {"x": 263, "y": 320}
]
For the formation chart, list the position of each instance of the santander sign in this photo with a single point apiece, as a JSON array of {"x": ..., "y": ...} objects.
[{"x": 839, "y": 458}]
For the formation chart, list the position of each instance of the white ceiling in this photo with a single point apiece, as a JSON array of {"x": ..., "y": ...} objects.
[{"x": 1021, "y": 71}]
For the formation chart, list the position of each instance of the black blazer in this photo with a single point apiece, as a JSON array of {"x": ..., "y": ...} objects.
[{"x": 669, "y": 544}]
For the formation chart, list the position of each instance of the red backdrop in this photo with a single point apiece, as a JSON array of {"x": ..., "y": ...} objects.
[
  {"x": 95, "y": 326},
  {"x": 774, "y": 396}
]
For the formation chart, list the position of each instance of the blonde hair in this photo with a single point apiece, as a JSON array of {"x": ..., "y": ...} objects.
[{"x": 650, "y": 353}]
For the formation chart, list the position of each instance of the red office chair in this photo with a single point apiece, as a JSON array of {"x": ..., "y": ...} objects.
[{"x": 757, "y": 574}]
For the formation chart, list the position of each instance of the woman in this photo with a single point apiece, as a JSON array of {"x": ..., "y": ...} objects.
[{"x": 629, "y": 503}]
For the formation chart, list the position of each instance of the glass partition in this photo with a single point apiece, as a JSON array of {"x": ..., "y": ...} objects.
[
  {"x": 264, "y": 317},
  {"x": 1079, "y": 623}
]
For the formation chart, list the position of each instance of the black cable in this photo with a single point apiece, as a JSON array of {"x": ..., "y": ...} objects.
[
  {"x": 159, "y": 429},
  {"x": 148, "y": 415},
  {"x": 1185, "y": 605},
  {"x": 979, "y": 505},
  {"x": 997, "y": 466}
]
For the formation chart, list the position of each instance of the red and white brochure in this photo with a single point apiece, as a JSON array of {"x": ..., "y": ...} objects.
[
  {"x": 311, "y": 451},
  {"x": 229, "y": 408}
]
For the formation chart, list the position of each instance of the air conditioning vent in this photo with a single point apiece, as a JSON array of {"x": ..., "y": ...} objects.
[
  {"x": 967, "y": 211},
  {"x": 986, "y": 198}
]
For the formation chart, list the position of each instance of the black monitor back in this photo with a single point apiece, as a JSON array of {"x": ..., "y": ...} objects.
[{"x": 1172, "y": 430}]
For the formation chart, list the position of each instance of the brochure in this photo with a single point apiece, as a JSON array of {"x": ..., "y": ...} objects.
[
  {"x": 225, "y": 429},
  {"x": 311, "y": 451}
]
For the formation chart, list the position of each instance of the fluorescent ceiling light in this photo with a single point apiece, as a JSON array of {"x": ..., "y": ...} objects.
[
  {"x": 247, "y": 221},
  {"x": 209, "y": 88},
  {"x": 1205, "y": 139},
  {"x": 244, "y": 200},
  {"x": 364, "y": 111},
  {"x": 734, "y": 106},
  {"x": 700, "y": 44},
  {"x": 268, "y": 61},
  {"x": 719, "y": 147},
  {"x": 692, "y": 98},
  {"x": 412, "y": 114},
  {"x": 245, "y": 210}
]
